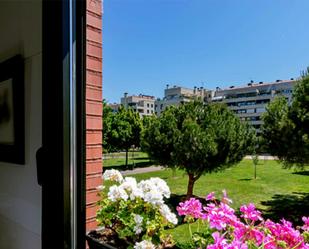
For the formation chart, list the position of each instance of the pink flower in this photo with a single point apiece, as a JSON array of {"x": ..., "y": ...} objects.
[
  {"x": 270, "y": 242},
  {"x": 225, "y": 198},
  {"x": 237, "y": 244},
  {"x": 239, "y": 235},
  {"x": 285, "y": 232},
  {"x": 250, "y": 213},
  {"x": 219, "y": 242},
  {"x": 257, "y": 236},
  {"x": 221, "y": 216},
  {"x": 305, "y": 227},
  {"x": 192, "y": 207},
  {"x": 210, "y": 196}
]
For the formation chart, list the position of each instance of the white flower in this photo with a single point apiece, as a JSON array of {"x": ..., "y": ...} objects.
[
  {"x": 168, "y": 215},
  {"x": 154, "y": 190},
  {"x": 115, "y": 193},
  {"x": 130, "y": 185},
  {"x": 138, "y": 219},
  {"x": 136, "y": 192},
  {"x": 145, "y": 185},
  {"x": 161, "y": 186},
  {"x": 145, "y": 244},
  {"x": 153, "y": 197},
  {"x": 139, "y": 222},
  {"x": 137, "y": 229},
  {"x": 100, "y": 187},
  {"x": 113, "y": 175}
]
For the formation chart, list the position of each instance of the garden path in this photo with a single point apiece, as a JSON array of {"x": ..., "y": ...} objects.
[{"x": 141, "y": 170}]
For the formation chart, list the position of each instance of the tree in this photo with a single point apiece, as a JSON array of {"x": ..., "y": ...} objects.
[
  {"x": 197, "y": 138},
  {"x": 107, "y": 119},
  {"x": 124, "y": 130},
  {"x": 299, "y": 116},
  {"x": 277, "y": 128},
  {"x": 286, "y": 128}
]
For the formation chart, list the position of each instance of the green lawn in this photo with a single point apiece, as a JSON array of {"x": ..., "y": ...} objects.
[
  {"x": 238, "y": 181},
  {"x": 276, "y": 191},
  {"x": 117, "y": 160}
]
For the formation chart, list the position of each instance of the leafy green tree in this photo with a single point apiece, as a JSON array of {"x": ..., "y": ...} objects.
[
  {"x": 277, "y": 128},
  {"x": 107, "y": 119},
  {"x": 299, "y": 116},
  {"x": 286, "y": 128},
  {"x": 197, "y": 138},
  {"x": 125, "y": 128}
]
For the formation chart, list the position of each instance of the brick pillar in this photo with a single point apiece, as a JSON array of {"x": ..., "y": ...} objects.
[{"x": 93, "y": 109}]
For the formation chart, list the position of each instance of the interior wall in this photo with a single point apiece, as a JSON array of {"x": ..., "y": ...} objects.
[{"x": 20, "y": 195}]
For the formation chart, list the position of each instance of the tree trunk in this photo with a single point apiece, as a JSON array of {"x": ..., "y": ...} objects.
[
  {"x": 127, "y": 152},
  {"x": 254, "y": 171},
  {"x": 191, "y": 182}
]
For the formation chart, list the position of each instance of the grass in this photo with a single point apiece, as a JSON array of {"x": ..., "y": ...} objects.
[
  {"x": 276, "y": 192},
  {"x": 239, "y": 183},
  {"x": 118, "y": 160}
]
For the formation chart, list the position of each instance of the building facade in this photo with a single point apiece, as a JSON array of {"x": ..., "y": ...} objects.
[
  {"x": 115, "y": 107},
  {"x": 143, "y": 104},
  {"x": 249, "y": 102},
  {"x": 177, "y": 95}
]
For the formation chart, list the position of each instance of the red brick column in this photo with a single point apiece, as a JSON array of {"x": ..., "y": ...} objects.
[{"x": 93, "y": 109}]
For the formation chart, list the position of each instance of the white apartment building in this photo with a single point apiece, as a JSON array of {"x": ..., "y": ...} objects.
[
  {"x": 143, "y": 104},
  {"x": 177, "y": 95},
  {"x": 249, "y": 102},
  {"x": 114, "y": 107}
]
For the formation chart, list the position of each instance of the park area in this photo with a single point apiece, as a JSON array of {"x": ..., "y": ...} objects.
[
  {"x": 204, "y": 146},
  {"x": 276, "y": 192}
]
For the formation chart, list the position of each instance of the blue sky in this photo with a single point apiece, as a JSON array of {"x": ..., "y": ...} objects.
[{"x": 150, "y": 43}]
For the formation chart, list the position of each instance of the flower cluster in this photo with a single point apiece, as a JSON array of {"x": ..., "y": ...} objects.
[
  {"x": 145, "y": 244},
  {"x": 136, "y": 210},
  {"x": 249, "y": 230},
  {"x": 112, "y": 175}
]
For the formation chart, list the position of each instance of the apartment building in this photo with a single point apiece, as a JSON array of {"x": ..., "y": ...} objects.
[
  {"x": 249, "y": 102},
  {"x": 115, "y": 107},
  {"x": 177, "y": 95},
  {"x": 143, "y": 104}
]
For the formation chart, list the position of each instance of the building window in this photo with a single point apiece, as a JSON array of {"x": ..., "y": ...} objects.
[
  {"x": 245, "y": 103},
  {"x": 147, "y": 111},
  {"x": 147, "y": 104},
  {"x": 262, "y": 101},
  {"x": 241, "y": 111},
  {"x": 151, "y": 105},
  {"x": 250, "y": 110},
  {"x": 260, "y": 109}
]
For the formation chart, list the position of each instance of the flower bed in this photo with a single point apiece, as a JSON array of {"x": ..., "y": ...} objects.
[
  {"x": 250, "y": 230},
  {"x": 134, "y": 215}
]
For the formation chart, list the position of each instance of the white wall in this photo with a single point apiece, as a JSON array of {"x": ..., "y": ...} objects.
[{"x": 20, "y": 195}]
